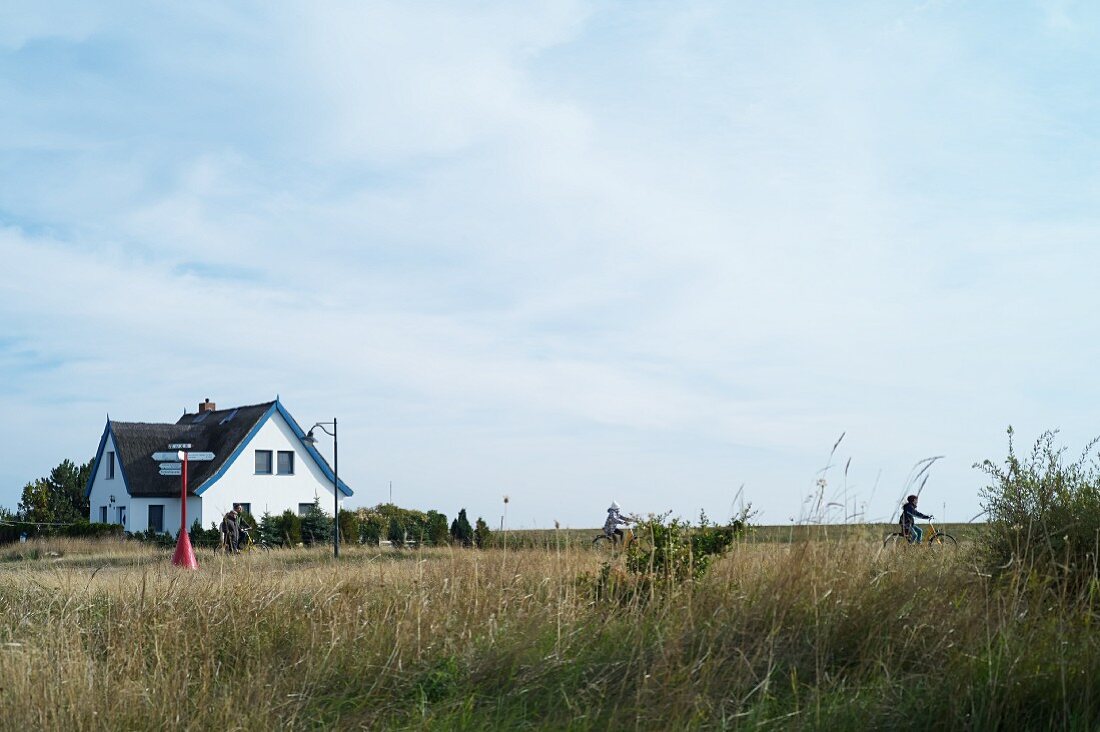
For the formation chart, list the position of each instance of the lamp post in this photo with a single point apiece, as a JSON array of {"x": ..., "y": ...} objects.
[{"x": 310, "y": 439}]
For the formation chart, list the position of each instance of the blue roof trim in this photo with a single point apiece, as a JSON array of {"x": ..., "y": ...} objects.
[
  {"x": 236, "y": 452},
  {"x": 99, "y": 456},
  {"x": 275, "y": 407},
  {"x": 311, "y": 449}
]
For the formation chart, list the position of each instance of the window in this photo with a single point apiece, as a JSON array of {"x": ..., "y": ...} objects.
[
  {"x": 110, "y": 466},
  {"x": 303, "y": 508},
  {"x": 121, "y": 515},
  {"x": 156, "y": 517},
  {"x": 263, "y": 462},
  {"x": 286, "y": 463},
  {"x": 230, "y": 416},
  {"x": 102, "y": 514}
]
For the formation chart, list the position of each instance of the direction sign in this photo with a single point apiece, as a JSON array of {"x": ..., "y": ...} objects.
[
  {"x": 191, "y": 456},
  {"x": 170, "y": 466},
  {"x": 179, "y": 446},
  {"x": 171, "y": 471}
]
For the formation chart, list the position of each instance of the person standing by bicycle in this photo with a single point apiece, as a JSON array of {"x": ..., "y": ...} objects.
[
  {"x": 614, "y": 521},
  {"x": 909, "y": 516},
  {"x": 231, "y": 529}
]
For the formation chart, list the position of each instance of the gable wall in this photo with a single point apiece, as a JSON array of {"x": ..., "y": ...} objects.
[
  {"x": 103, "y": 487},
  {"x": 272, "y": 493}
]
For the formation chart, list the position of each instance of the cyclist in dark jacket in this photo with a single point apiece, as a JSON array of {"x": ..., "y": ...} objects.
[{"x": 909, "y": 516}]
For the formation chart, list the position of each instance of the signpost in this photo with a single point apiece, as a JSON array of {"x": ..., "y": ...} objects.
[{"x": 172, "y": 464}]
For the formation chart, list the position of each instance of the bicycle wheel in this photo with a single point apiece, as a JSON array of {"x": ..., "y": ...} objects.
[
  {"x": 603, "y": 543},
  {"x": 944, "y": 540},
  {"x": 895, "y": 541}
]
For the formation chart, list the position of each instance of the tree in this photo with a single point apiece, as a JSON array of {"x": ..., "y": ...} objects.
[
  {"x": 481, "y": 533},
  {"x": 349, "y": 527},
  {"x": 437, "y": 528},
  {"x": 396, "y": 532},
  {"x": 316, "y": 525},
  {"x": 59, "y": 497},
  {"x": 461, "y": 531},
  {"x": 287, "y": 528}
]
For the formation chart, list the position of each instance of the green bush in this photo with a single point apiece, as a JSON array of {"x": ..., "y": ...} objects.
[
  {"x": 461, "y": 531},
  {"x": 438, "y": 533},
  {"x": 95, "y": 530},
  {"x": 282, "y": 530},
  {"x": 1043, "y": 512},
  {"x": 349, "y": 527},
  {"x": 481, "y": 533},
  {"x": 201, "y": 537},
  {"x": 395, "y": 534},
  {"x": 370, "y": 529},
  {"x": 316, "y": 525}
]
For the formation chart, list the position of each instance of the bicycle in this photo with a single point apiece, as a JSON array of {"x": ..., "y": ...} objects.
[
  {"x": 253, "y": 544},
  {"x": 245, "y": 544},
  {"x": 603, "y": 542},
  {"x": 933, "y": 537}
]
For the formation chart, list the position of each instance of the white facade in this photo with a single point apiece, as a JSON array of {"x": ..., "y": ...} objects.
[
  {"x": 109, "y": 499},
  {"x": 273, "y": 493},
  {"x": 296, "y": 480}
]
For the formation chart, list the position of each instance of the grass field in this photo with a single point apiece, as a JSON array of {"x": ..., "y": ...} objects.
[{"x": 808, "y": 634}]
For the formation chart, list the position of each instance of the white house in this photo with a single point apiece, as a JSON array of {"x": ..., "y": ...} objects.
[{"x": 261, "y": 460}]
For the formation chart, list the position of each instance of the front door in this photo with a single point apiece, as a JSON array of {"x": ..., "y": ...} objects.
[{"x": 122, "y": 515}]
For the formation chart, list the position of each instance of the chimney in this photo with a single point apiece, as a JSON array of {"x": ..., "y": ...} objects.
[{"x": 207, "y": 406}]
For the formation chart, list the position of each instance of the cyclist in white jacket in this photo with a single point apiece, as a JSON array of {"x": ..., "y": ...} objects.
[{"x": 614, "y": 521}]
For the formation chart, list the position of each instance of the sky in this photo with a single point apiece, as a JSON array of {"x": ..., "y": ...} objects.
[{"x": 663, "y": 253}]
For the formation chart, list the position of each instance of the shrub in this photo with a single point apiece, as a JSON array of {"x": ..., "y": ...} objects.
[
  {"x": 461, "y": 531},
  {"x": 1043, "y": 512},
  {"x": 349, "y": 527},
  {"x": 370, "y": 530},
  {"x": 438, "y": 534},
  {"x": 395, "y": 533},
  {"x": 316, "y": 525},
  {"x": 95, "y": 530},
  {"x": 286, "y": 529},
  {"x": 481, "y": 533},
  {"x": 675, "y": 550},
  {"x": 204, "y": 537}
]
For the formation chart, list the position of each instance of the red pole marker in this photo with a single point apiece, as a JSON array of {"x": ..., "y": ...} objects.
[{"x": 185, "y": 555}]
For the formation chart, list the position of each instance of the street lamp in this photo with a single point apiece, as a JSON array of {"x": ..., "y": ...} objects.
[{"x": 310, "y": 439}]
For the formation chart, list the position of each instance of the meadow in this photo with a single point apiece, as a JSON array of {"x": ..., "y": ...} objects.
[{"x": 825, "y": 632}]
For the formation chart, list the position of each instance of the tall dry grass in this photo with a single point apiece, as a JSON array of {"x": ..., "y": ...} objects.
[{"x": 806, "y": 635}]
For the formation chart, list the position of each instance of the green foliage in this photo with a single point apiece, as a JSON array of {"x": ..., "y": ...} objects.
[
  {"x": 58, "y": 497},
  {"x": 349, "y": 527},
  {"x": 370, "y": 528},
  {"x": 316, "y": 525},
  {"x": 282, "y": 530},
  {"x": 1043, "y": 512},
  {"x": 438, "y": 533},
  {"x": 481, "y": 533},
  {"x": 149, "y": 536},
  {"x": 395, "y": 533},
  {"x": 269, "y": 532},
  {"x": 675, "y": 551},
  {"x": 204, "y": 537},
  {"x": 85, "y": 529},
  {"x": 417, "y": 525},
  {"x": 461, "y": 531}
]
